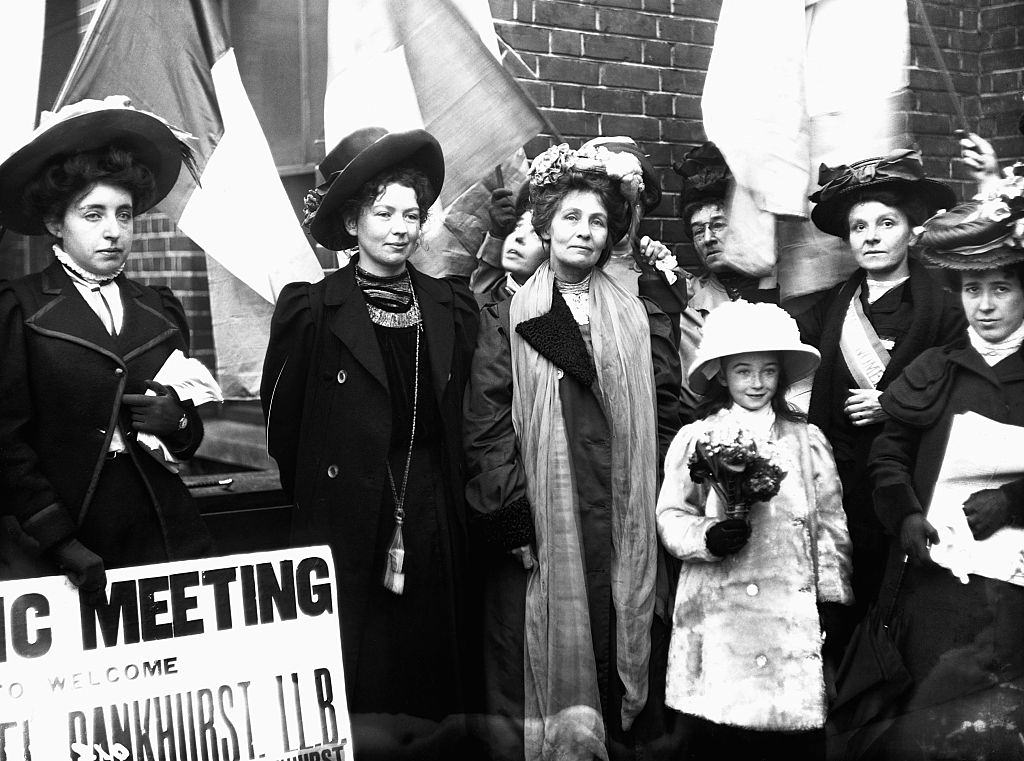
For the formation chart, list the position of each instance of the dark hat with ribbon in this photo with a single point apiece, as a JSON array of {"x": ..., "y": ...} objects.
[
  {"x": 901, "y": 171},
  {"x": 650, "y": 196},
  {"x": 705, "y": 174},
  {"x": 356, "y": 160},
  {"x": 981, "y": 234},
  {"x": 82, "y": 127}
]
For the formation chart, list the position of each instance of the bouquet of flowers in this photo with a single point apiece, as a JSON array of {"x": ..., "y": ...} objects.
[{"x": 740, "y": 468}]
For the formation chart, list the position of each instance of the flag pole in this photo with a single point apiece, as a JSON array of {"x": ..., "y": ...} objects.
[
  {"x": 80, "y": 55},
  {"x": 946, "y": 78}
]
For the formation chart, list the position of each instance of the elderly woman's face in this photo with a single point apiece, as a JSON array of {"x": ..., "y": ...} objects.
[
  {"x": 578, "y": 234},
  {"x": 994, "y": 303},
  {"x": 387, "y": 230},
  {"x": 96, "y": 229},
  {"x": 880, "y": 238}
]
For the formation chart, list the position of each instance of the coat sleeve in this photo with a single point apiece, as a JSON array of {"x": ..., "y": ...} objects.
[
  {"x": 285, "y": 373},
  {"x": 667, "y": 379},
  {"x": 891, "y": 468},
  {"x": 682, "y": 524},
  {"x": 488, "y": 265},
  {"x": 496, "y": 485},
  {"x": 835, "y": 561},
  {"x": 183, "y": 444},
  {"x": 467, "y": 325},
  {"x": 25, "y": 492}
]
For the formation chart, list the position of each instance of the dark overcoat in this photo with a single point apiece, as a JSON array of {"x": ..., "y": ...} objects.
[
  {"x": 326, "y": 400},
  {"x": 62, "y": 378},
  {"x": 503, "y": 519}
]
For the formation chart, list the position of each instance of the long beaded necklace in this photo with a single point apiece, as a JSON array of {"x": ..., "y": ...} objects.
[{"x": 394, "y": 577}]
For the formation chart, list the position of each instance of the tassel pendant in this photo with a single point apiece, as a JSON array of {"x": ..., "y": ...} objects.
[{"x": 394, "y": 579}]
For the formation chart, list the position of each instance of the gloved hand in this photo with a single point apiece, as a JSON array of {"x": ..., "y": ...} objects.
[
  {"x": 987, "y": 511},
  {"x": 727, "y": 537},
  {"x": 525, "y": 556},
  {"x": 84, "y": 569},
  {"x": 158, "y": 414},
  {"x": 502, "y": 212},
  {"x": 916, "y": 534}
]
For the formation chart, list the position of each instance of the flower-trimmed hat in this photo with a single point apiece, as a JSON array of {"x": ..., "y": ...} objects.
[
  {"x": 901, "y": 170},
  {"x": 90, "y": 125},
  {"x": 740, "y": 327},
  {"x": 982, "y": 234},
  {"x": 650, "y": 195},
  {"x": 355, "y": 161},
  {"x": 706, "y": 177}
]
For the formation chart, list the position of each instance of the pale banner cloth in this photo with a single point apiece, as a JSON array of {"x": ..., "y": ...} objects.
[
  {"x": 862, "y": 349},
  {"x": 980, "y": 454},
  {"x": 563, "y": 708}
]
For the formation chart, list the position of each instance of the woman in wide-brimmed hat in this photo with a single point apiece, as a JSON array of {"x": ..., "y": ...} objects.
[
  {"x": 869, "y": 328},
  {"x": 573, "y": 398},
  {"x": 84, "y": 426},
  {"x": 946, "y": 471},
  {"x": 362, "y": 391},
  {"x": 757, "y": 592}
]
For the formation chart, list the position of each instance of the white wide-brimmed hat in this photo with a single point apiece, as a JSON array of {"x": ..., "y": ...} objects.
[{"x": 740, "y": 327}]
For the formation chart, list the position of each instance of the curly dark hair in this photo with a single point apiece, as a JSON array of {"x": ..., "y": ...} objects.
[
  {"x": 718, "y": 398},
  {"x": 915, "y": 210},
  {"x": 68, "y": 178},
  {"x": 405, "y": 176},
  {"x": 547, "y": 199},
  {"x": 954, "y": 279},
  {"x": 692, "y": 207}
]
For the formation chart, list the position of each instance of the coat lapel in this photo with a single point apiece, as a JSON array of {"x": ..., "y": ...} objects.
[
  {"x": 68, "y": 317},
  {"x": 143, "y": 327},
  {"x": 351, "y": 322},
  {"x": 557, "y": 338},
  {"x": 435, "y": 300}
]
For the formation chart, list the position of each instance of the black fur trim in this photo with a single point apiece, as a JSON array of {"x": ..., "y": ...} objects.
[
  {"x": 508, "y": 527},
  {"x": 557, "y": 337}
]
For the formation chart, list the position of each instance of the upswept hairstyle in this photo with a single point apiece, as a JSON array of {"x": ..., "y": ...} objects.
[
  {"x": 548, "y": 198},
  {"x": 915, "y": 209},
  {"x": 401, "y": 175},
  {"x": 718, "y": 398},
  {"x": 61, "y": 182}
]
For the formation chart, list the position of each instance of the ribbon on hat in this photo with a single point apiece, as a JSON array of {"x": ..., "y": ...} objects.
[
  {"x": 901, "y": 164},
  {"x": 703, "y": 167}
]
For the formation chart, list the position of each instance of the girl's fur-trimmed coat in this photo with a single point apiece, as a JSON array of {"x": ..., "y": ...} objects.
[{"x": 746, "y": 639}]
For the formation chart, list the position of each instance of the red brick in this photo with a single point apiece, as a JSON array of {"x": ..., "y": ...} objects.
[
  {"x": 537, "y": 146},
  {"x": 565, "y": 15},
  {"x": 629, "y": 75},
  {"x": 523, "y": 37},
  {"x": 691, "y": 57},
  {"x": 539, "y": 92},
  {"x": 690, "y": 82},
  {"x": 930, "y": 79},
  {"x": 566, "y": 42},
  {"x": 702, "y": 32},
  {"x": 567, "y": 96},
  {"x": 501, "y": 9},
  {"x": 931, "y": 124},
  {"x": 658, "y": 6},
  {"x": 683, "y": 130},
  {"x": 577, "y": 123},
  {"x": 617, "y": 3},
  {"x": 673, "y": 232},
  {"x": 524, "y": 10},
  {"x": 627, "y": 22},
  {"x": 708, "y": 9},
  {"x": 658, "y": 104},
  {"x": 636, "y": 127},
  {"x": 554, "y": 69},
  {"x": 657, "y": 53},
  {"x": 612, "y": 47},
  {"x": 612, "y": 100},
  {"x": 688, "y": 106}
]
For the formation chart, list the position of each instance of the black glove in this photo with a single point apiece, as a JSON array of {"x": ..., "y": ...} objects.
[
  {"x": 84, "y": 568},
  {"x": 916, "y": 536},
  {"x": 158, "y": 414},
  {"x": 988, "y": 511},
  {"x": 727, "y": 537},
  {"x": 502, "y": 212}
]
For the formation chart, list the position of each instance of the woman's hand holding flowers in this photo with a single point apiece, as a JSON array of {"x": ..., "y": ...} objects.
[{"x": 727, "y": 537}]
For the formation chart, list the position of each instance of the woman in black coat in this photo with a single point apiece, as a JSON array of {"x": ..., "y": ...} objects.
[
  {"x": 362, "y": 391},
  {"x": 81, "y": 344}
]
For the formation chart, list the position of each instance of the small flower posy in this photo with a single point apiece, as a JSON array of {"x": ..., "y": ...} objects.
[
  {"x": 559, "y": 159},
  {"x": 739, "y": 467}
]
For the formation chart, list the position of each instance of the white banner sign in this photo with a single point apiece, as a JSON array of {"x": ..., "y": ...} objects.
[{"x": 221, "y": 659}]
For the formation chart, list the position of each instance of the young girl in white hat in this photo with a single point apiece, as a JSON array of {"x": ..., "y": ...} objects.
[{"x": 755, "y": 594}]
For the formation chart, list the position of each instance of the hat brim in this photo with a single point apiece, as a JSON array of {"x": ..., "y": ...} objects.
[
  {"x": 149, "y": 140},
  {"x": 417, "y": 149},
  {"x": 830, "y": 216},
  {"x": 797, "y": 362},
  {"x": 994, "y": 259}
]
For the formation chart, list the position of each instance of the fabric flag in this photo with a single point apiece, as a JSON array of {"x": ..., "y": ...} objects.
[
  {"x": 431, "y": 64},
  {"x": 778, "y": 105},
  {"x": 173, "y": 57},
  {"x": 21, "y": 50}
]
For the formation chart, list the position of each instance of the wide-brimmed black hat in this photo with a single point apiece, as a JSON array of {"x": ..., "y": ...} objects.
[
  {"x": 979, "y": 234},
  {"x": 91, "y": 125},
  {"x": 357, "y": 159},
  {"x": 901, "y": 171},
  {"x": 706, "y": 177}
]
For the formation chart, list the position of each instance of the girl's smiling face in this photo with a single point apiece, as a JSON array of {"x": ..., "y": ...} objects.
[{"x": 752, "y": 378}]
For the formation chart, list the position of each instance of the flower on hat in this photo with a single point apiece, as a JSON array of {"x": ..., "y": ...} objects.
[{"x": 557, "y": 160}]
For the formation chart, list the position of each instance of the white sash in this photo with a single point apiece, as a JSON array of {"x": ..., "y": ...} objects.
[{"x": 862, "y": 349}]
